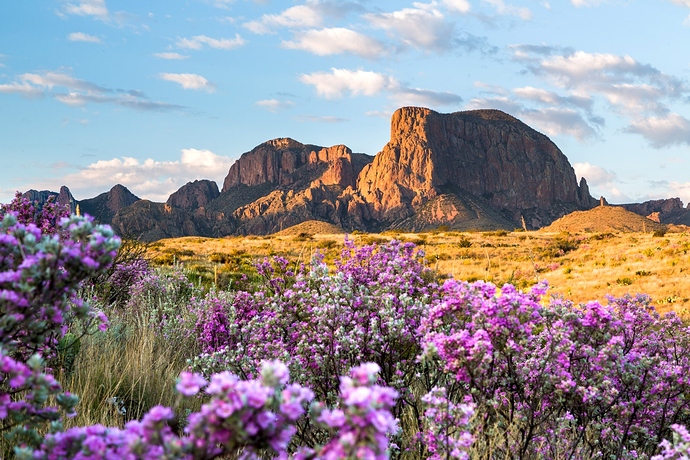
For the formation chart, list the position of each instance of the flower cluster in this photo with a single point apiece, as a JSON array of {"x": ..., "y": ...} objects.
[
  {"x": 562, "y": 380},
  {"x": 39, "y": 277},
  {"x": 448, "y": 432},
  {"x": 321, "y": 324},
  {"x": 46, "y": 217},
  {"x": 252, "y": 418}
]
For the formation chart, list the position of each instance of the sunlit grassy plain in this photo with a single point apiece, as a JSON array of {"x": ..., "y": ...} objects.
[{"x": 579, "y": 266}]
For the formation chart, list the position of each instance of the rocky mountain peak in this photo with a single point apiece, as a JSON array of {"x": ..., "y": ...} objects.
[
  {"x": 486, "y": 153},
  {"x": 194, "y": 195}
]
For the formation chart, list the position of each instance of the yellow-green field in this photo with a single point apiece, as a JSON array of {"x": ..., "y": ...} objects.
[{"x": 579, "y": 266}]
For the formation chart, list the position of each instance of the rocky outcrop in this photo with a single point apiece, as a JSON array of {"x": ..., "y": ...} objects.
[
  {"x": 64, "y": 197},
  {"x": 194, "y": 195},
  {"x": 665, "y": 211},
  {"x": 286, "y": 162},
  {"x": 486, "y": 153},
  {"x": 283, "y": 182},
  {"x": 106, "y": 205}
]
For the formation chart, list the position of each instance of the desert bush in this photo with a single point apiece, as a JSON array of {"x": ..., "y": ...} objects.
[{"x": 660, "y": 232}]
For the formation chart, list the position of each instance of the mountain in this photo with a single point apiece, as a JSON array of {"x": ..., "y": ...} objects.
[
  {"x": 64, "y": 197},
  {"x": 472, "y": 170},
  {"x": 487, "y": 156},
  {"x": 665, "y": 211},
  {"x": 106, "y": 205},
  {"x": 102, "y": 208}
]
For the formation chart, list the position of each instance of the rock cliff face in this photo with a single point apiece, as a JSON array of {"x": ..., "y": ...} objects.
[
  {"x": 64, "y": 197},
  {"x": 194, "y": 195},
  {"x": 486, "y": 153},
  {"x": 104, "y": 207},
  {"x": 665, "y": 211},
  {"x": 283, "y": 182}
]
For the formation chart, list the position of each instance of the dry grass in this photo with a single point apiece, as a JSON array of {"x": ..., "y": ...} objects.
[
  {"x": 592, "y": 265},
  {"x": 121, "y": 374}
]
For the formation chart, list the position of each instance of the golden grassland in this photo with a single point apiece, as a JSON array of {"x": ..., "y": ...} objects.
[{"x": 580, "y": 266}]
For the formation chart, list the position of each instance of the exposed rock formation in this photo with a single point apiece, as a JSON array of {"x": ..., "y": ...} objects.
[
  {"x": 283, "y": 182},
  {"x": 104, "y": 207},
  {"x": 64, "y": 197},
  {"x": 194, "y": 195},
  {"x": 666, "y": 211},
  {"x": 486, "y": 153}
]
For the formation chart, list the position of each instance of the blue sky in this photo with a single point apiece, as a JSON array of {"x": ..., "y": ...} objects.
[{"x": 154, "y": 94}]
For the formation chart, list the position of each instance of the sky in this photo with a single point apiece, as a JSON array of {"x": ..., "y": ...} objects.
[{"x": 152, "y": 95}]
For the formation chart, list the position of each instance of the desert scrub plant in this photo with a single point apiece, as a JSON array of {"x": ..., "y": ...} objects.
[{"x": 660, "y": 232}]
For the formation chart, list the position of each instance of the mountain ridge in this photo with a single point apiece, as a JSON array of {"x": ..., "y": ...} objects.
[{"x": 478, "y": 170}]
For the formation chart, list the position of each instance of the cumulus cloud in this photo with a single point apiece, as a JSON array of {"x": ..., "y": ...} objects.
[
  {"x": 662, "y": 131},
  {"x": 149, "y": 179},
  {"x": 320, "y": 119},
  {"x": 551, "y": 120},
  {"x": 585, "y": 3},
  {"x": 460, "y": 6},
  {"x": 189, "y": 81},
  {"x": 336, "y": 40},
  {"x": 170, "y": 56},
  {"x": 274, "y": 105},
  {"x": 424, "y": 98},
  {"x": 510, "y": 10},
  {"x": 549, "y": 97},
  {"x": 82, "y": 37},
  {"x": 197, "y": 42},
  {"x": 338, "y": 82},
  {"x": 636, "y": 91},
  {"x": 94, "y": 8},
  {"x": 423, "y": 27},
  {"x": 596, "y": 175},
  {"x": 75, "y": 92},
  {"x": 311, "y": 14},
  {"x": 299, "y": 16},
  {"x": 357, "y": 82}
]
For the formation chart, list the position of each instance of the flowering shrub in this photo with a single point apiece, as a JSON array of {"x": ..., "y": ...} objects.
[
  {"x": 321, "y": 324},
  {"x": 46, "y": 217},
  {"x": 39, "y": 276},
  {"x": 252, "y": 418},
  {"x": 558, "y": 380}
]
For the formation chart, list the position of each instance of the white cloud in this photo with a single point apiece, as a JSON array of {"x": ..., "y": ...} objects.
[
  {"x": 95, "y": 8},
  {"x": 75, "y": 92},
  {"x": 82, "y": 37},
  {"x": 461, "y": 6},
  {"x": 197, "y": 42},
  {"x": 170, "y": 56},
  {"x": 274, "y": 105},
  {"x": 586, "y": 3},
  {"x": 149, "y": 179},
  {"x": 189, "y": 81},
  {"x": 552, "y": 121},
  {"x": 423, "y": 27},
  {"x": 663, "y": 131},
  {"x": 335, "y": 84},
  {"x": 425, "y": 98},
  {"x": 595, "y": 175},
  {"x": 510, "y": 10},
  {"x": 320, "y": 119},
  {"x": 681, "y": 190},
  {"x": 22, "y": 88},
  {"x": 300, "y": 16},
  {"x": 550, "y": 98},
  {"x": 337, "y": 40},
  {"x": 357, "y": 82},
  {"x": 685, "y": 3}
]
